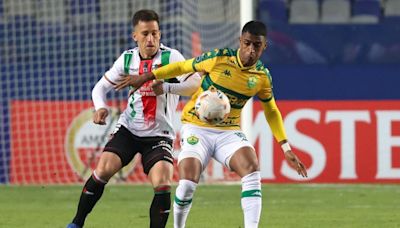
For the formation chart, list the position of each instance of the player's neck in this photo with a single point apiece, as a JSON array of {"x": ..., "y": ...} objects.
[{"x": 145, "y": 57}]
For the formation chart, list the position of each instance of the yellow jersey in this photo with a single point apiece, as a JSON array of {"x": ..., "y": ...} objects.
[{"x": 223, "y": 70}]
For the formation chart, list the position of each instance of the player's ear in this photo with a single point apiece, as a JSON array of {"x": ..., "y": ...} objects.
[
  {"x": 134, "y": 36},
  {"x": 265, "y": 44}
]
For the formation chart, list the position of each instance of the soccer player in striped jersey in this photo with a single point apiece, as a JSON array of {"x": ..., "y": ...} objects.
[
  {"x": 145, "y": 126},
  {"x": 240, "y": 75}
]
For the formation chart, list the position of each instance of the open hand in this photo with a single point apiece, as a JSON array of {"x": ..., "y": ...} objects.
[
  {"x": 135, "y": 81},
  {"x": 295, "y": 163}
]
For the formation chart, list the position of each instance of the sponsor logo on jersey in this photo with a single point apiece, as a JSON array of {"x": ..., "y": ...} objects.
[
  {"x": 84, "y": 143},
  {"x": 252, "y": 82},
  {"x": 192, "y": 140},
  {"x": 226, "y": 73},
  {"x": 241, "y": 135}
]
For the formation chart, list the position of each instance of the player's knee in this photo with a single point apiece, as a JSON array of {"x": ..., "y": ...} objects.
[
  {"x": 105, "y": 172},
  {"x": 186, "y": 189},
  {"x": 251, "y": 167},
  {"x": 252, "y": 180},
  {"x": 165, "y": 181}
]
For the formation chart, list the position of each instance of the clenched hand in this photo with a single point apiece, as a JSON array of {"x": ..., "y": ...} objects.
[{"x": 99, "y": 117}]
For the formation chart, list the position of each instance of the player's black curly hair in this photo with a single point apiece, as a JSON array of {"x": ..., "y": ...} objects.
[
  {"x": 257, "y": 28},
  {"x": 144, "y": 15}
]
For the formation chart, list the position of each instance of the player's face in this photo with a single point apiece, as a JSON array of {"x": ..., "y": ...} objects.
[
  {"x": 147, "y": 36},
  {"x": 251, "y": 48}
]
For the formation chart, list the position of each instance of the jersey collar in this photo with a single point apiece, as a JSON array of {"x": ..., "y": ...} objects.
[
  {"x": 162, "y": 47},
  {"x": 241, "y": 64}
]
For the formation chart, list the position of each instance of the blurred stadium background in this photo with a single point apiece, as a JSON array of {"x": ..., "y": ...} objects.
[{"x": 335, "y": 66}]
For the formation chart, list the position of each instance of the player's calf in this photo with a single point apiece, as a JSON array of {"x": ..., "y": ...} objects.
[
  {"x": 160, "y": 207},
  {"x": 183, "y": 202},
  {"x": 251, "y": 199},
  {"x": 91, "y": 193}
]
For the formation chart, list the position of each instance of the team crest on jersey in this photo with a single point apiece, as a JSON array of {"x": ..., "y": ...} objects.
[
  {"x": 252, "y": 82},
  {"x": 84, "y": 142},
  {"x": 192, "y": 140},
  {"x": 156, "y": 66}
]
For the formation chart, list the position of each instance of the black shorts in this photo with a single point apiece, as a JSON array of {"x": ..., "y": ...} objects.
[{"x": 153, "y": 149}]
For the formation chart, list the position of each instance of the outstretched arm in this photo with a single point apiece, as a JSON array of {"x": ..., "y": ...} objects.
[
  {"x": 186, "y": 87},
  {"x": 274, "y": 119},
  {"x": 169, "y": 71}
]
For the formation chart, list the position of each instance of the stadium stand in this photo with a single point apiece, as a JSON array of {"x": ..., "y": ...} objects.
[
  {"x": 18, "y": 8},
  {"x": 392, "y": 11},
  {"x": 335, "y": 11},
  {"x": 87, "y": 14},
  {"x": 114, "y": 11},
  {"x": 51, "y": 11},
  {"x": 392, "y": 8},
  {"x": 273, "y": 10},
  {"x": 366, "y": 11},
  {"x": 304, "y": 12}
]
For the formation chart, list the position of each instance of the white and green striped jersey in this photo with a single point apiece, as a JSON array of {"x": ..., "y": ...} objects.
[{"x": 147, "y": 114}]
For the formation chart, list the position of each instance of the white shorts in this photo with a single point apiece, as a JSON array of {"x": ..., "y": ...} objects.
[{"x": 206, "y": 143}]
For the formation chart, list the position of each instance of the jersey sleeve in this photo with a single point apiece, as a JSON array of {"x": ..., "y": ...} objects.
[
  {"x": 173, "y": 70},
  {"x": 176, "y": 56},
  {"x": 206, "y": 61},
  {"x": 274, "y": 119},
  {"x": 203, "y": 63},
  {"x": 116, "y": 72},
  {"x": 266, "y": 94}
]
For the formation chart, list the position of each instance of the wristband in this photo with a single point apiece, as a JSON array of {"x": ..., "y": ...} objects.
[
  {"x": 166, "y": 88},
  {"x": 286, "y": 147}
]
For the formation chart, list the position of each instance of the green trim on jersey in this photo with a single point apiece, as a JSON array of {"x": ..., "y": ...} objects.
[
  {"x": 260, "y": 67},
  {"x": 252, "y": 193},
  {"x": 215, "y": 53},
  {"x": 269, "y": 76},
  {"x": 127, "y": 62},
  {"x": 268, "y": 99},
  {"x": 182, "y": 202},
  {"x": 165, "y": 57}
]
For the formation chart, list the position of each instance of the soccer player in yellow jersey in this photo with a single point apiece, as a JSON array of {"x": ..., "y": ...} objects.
[{"x": 240, "y": 75}]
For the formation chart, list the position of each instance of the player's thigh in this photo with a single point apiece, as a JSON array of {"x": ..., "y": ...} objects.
[
  {"x": 157, "y": 157},
  {"x": 109, "y": 164},
  {"x": 196, "y": 143},
  {"x": 190, "y": 168},
  {"x": 117, "y": 153},
  {"x": 244, "y": 161},
  {"x": 235, "y": 152},
  {"x": 161, "y": 173}
]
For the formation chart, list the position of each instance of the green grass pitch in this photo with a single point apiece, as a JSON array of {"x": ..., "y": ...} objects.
[{"x": 284, "y": 205}]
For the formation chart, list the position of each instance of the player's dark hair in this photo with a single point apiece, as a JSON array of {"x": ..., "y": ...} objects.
[
  {"x": 144, "y": 15},
  {"x": 256, "y": 28}
]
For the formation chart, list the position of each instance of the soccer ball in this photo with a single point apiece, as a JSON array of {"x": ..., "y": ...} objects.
[{"x": 212, "y": 106}]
